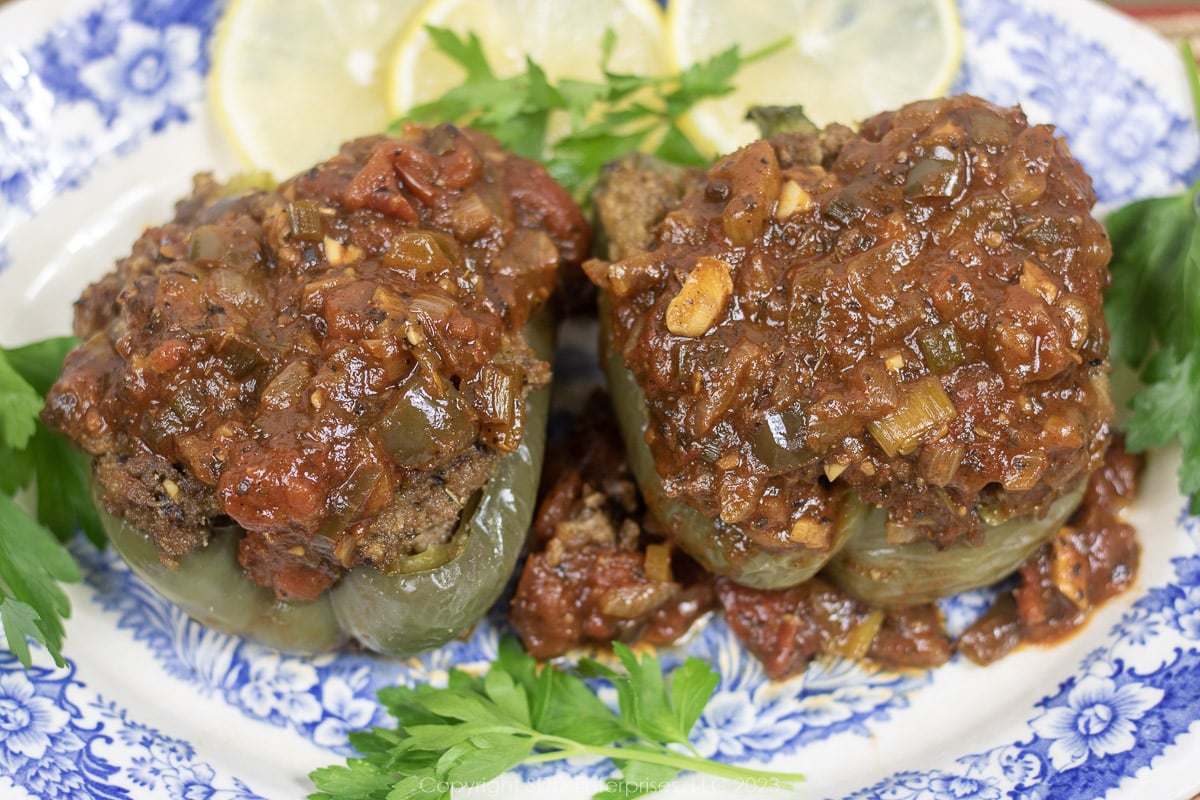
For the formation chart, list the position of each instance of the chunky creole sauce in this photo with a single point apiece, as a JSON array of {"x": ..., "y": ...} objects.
[
  {"x": 1091, "y": 559},
  {"x": 336, "y": 365},
  {"x": 913, "y": 311},
  {"x": 600, "y": 571}
]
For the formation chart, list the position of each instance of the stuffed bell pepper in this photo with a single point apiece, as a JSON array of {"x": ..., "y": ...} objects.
[
  {"x": 873, "y": 358},
  {"x": 316, "y": 412}
]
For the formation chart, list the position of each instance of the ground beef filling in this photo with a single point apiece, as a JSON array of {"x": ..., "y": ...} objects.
[
  {"x": 913, "y": 310},
  {"x": 598, "y": 570},
  {"x": 335, "y": 365}
]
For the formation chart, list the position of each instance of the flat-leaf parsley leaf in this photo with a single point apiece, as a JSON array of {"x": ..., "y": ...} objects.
[
  {"x": 607, "y": 119},
  {"x": 33, "y": 562},
  {"x": 1153, "y": 307},
  {"x": 477, "y": 728}
]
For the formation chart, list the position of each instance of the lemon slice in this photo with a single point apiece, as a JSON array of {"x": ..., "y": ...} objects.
[
  {"x": 848, "y": 59},
  {"x": 563, "y": 36},
  {"x": 293, "y": 79}
]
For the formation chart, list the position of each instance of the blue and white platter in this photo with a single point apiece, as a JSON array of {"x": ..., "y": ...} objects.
[{"x": 102, "y": 124}]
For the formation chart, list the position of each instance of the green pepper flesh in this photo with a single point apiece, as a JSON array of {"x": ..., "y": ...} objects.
[
  {"x": 401, "y": 614},
  {"x": 210, "y": 587},
  {"x": 891, "y": 575},
  {"x": 422, "y": 602},
  {"x": 721, "y": 548}
]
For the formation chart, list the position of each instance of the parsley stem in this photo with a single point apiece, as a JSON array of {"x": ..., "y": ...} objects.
[
  {"x": 663, "y": 757},
  {"x": 767, "y": 50},
  {"x": 1189, "y": 61}
]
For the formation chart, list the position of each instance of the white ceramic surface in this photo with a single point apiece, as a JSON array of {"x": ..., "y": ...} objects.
[{"x": 101, "y": 126}]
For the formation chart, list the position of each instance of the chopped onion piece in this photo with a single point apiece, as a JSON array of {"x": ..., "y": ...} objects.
[{"x": 925, "y": 409}]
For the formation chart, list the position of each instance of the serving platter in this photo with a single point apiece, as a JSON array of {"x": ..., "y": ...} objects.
[{"x": 102, "y": 124}]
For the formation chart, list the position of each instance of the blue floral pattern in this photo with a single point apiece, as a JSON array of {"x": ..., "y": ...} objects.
[
  {"x": 1129, "y": 700},
  {"x": 93, "y": 88},
  {"x": 753, "y": 719},
  {"x": 324, "y": 697},
  {"x": 1098, "y": 720},
  {"x": 1133, "y": 144},
  {"x": 58, "y": 741},
  {"x": 320, "y": 698}
]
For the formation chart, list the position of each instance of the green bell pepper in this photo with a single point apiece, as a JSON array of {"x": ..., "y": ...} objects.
[{"x": 417, "y": 603}]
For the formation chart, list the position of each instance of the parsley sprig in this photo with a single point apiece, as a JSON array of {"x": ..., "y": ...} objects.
[
  {"x": 33, "y": 561},
  {"x": 476, "y": 728},
  {"x": 607, "y": 119},
  {"x": 1153, "y": 307}
]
